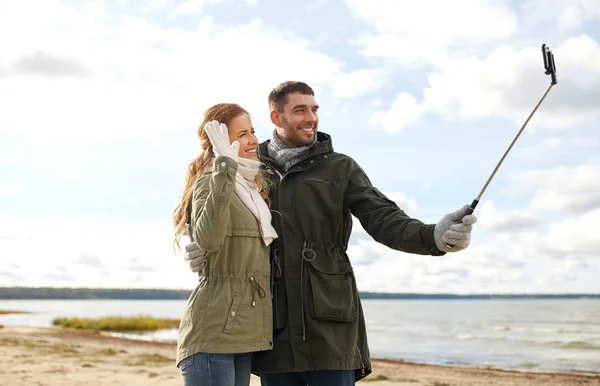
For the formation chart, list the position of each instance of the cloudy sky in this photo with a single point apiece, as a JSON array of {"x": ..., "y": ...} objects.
[{"x": 100, "y": 102}]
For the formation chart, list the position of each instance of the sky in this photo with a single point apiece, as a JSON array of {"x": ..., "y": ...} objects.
[{"x": 100, "y": 102}]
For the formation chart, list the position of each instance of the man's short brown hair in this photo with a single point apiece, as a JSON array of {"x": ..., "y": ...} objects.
[{"x": 278, "y": 96}]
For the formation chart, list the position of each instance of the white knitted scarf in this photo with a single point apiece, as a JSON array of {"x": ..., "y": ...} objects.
[{"x": 246, "y": 191}]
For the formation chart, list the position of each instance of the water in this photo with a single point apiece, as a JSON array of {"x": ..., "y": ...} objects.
[
  {"x": 527, "y": 335},
  {"x": 533, "y": 335}
]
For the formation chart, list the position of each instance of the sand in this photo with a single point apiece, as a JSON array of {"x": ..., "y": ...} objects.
[{"x": 47, "y": 356}]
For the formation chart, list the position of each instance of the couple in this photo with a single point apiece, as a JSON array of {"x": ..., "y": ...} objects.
[{"x": 270, "y": 225}]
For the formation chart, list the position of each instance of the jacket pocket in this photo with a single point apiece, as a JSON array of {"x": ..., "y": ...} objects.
[
  {"x": 333, "y": 183},
  {"x": 233, "y": 311},
  {"x": 332, "y": 289}
]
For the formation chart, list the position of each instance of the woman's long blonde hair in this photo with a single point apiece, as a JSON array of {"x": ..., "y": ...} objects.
[{"x": 223, "y": 113}]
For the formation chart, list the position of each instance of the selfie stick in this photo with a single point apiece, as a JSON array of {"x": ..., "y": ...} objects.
[{"x": 550, "y": 67}]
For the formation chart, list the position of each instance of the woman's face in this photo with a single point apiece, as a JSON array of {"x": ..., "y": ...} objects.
[{"x": 241, "y": 130}]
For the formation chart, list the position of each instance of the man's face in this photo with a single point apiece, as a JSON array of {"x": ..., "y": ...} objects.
[{"x": 298, "y": 122}]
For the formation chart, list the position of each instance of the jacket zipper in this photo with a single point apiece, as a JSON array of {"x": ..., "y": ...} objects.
[
  {"x": 306, "y": 251},
  {"x": 302, "y": 297},
  {"x": 309, "y": 255}
]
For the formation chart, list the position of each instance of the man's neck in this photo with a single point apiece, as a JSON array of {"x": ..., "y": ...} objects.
[
  {"x": 283, "y": 140},
  {"x": 288, "y": 144}
]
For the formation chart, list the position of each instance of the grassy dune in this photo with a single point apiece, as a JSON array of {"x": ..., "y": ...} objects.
[
  {"x": 117, "y": 323},
  {"x": 7, "y": 312}
]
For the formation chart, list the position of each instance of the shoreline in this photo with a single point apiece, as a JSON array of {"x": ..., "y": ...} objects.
[
  {"x": 127, "y": 336},
  {"x": 48, "y": 355},
  {"x": 488, "y": 368}
]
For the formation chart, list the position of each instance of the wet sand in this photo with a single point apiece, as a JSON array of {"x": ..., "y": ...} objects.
[{"x": 48, "y": 356}]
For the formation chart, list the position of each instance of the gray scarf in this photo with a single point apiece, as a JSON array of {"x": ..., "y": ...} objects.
[{"x": 286, "y": 157}]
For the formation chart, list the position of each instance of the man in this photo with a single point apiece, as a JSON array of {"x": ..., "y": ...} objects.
[{"x": 319, "y": 327}]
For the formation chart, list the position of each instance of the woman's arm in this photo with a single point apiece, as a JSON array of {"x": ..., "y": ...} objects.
[{"x": 210, "y": 204}]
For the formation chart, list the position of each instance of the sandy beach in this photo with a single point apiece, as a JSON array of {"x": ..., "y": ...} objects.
[{"x": 45, "y": 356}]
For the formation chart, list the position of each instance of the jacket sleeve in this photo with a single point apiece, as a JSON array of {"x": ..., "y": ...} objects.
[
  {"x": 210, "y": 205},
  {"x": 384, "y": 220}
]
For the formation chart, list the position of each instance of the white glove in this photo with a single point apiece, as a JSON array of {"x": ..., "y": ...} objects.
[
  {"x": 453, "y": 232},
  {"x": 219, "y": 137},
  {"x": 195, "y": 257}
]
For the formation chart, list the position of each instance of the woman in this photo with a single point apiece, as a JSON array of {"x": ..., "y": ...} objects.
[{"x": 229, "y": 313}]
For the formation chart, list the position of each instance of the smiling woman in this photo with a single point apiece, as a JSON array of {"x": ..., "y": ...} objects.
[{"x": 224, "y": 212}]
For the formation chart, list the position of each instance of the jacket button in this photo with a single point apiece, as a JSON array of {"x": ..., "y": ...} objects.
[
  {"x": 232, "y": 313},
  {"x": 251, "y": 278},
  {"x": 325, "y": 156},
  {"x": 312, "y": 161},
  {"x": 223, "y": 163}
]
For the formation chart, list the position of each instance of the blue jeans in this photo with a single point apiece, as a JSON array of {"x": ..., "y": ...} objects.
[
  {"x": 216, "y": 370},
  {"x": 310, "y": 378}
]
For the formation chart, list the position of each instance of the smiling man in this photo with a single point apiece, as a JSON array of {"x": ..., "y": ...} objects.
[
  {"x": 319, "y": 334},
  {"x": 294, "y": 114}
]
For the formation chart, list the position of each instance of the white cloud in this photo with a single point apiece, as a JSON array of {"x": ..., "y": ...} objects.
[
  {"x": 379, "y": 268},
  {"x": 196, "y": 7},
  {"x": 404, "y": 111},
  {"x": 559, "y": 147},
  {"x": 576, "y": 236},
  {"x": 158, "y": 3},
  {"x": 467, "y": 82},
  {"x": 357, "y": 83},
  {"x": 569, "y": 143},
  {"x": 506, "y": 221},
  {"x": 507, "y": 84},
  {"x": 191, "y": 7},
  {"x": 408, "y": 205},
  {"x": 148, "y": 79},
  {"x": 567, "y": 15},
  {"x": 315, "y": 5},
  {"x": 43, "y": 64},
  {"x": 9, "y": 190},
  {"x": 412, "y": 31},
  {"x": 570, "y": 189},
  {"x": 92, "y": 252}
]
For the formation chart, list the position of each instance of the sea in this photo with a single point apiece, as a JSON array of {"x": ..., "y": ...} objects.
[{"x": 537, "y": 335}]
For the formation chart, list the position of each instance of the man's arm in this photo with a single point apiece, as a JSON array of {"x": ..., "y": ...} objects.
[{"x": 384, "y": 220}]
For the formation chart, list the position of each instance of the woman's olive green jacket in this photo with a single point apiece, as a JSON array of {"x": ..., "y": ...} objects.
[{"x": 230, "y": 310}]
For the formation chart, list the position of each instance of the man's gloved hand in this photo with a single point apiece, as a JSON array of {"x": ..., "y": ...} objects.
[
  {"x": 453, "y": 232},
  {"x": 195, "y": 257},
  {"x": 219, "y": 138}
]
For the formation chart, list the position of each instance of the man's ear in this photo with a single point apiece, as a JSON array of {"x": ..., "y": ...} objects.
[{"x": 275, "y": 118}]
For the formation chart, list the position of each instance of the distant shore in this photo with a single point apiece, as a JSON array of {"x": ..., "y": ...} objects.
[
  {"x": 63, "y": 293},
  {"x": 51, "y": 356}
]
